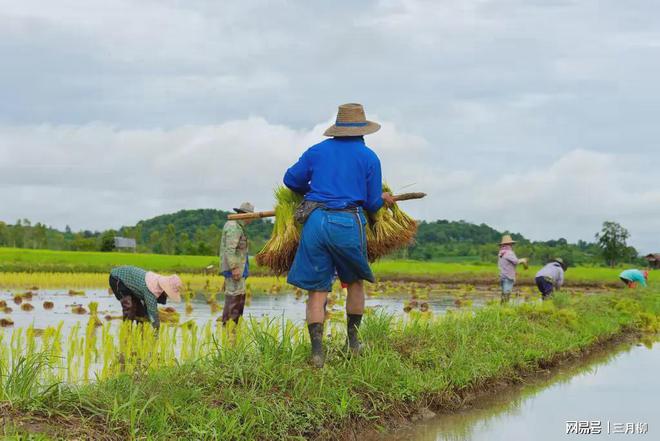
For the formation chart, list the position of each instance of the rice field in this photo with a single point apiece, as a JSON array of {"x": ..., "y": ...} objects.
[
  {"x": 257, "y": 384},
  {"x": 74, "y": 322}
]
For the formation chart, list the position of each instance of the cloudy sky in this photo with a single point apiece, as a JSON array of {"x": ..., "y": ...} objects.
[{"x": 534, "y": 116}]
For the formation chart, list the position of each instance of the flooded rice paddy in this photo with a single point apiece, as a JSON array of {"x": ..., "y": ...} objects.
[
  {"x": 81, "y": 333},
  {"x": 614, "y": 394},
  {"x": 49, "y": 307}
]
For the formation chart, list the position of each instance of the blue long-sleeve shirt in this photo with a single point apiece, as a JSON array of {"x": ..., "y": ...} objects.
[{"x": 340, "y": 172}]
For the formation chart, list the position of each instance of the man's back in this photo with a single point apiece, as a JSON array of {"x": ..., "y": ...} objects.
[{"x": 340, "y": 172}]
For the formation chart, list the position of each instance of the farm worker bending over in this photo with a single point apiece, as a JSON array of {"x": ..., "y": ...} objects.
[
  {"x": 551, "y": 277},
  {"x": 140, "y": 291},
  {"x": 507, "y": 262},
  {"x": 340, "y": 179},
  {"x": 632, "y": 277},
  {"x": 234, "y": 264}
]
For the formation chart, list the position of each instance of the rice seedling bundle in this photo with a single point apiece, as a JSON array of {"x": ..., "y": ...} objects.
[
  {"x": 279, "y": 251},
  {"x": 389, "y": 229}
]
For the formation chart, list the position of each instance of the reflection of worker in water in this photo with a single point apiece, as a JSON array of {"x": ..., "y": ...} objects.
[
  {"x": 632, "y": 277},
  {"x": 140, "y": 291},
  {"x": 551, "y": 277},
  {"x": 507, "y": 262}
]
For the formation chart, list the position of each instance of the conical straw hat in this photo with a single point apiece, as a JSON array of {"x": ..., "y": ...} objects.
[
  {"x": 351, "y": 121},
  {"x": 507, "y": 240}
]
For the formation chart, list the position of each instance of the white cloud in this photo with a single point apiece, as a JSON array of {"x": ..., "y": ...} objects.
[
  {"x": 98, "y": 176},
  {"x": 532, "y": 116}
]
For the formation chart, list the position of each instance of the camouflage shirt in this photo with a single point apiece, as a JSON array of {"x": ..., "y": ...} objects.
[
  {"x": 135, "y": 279},
  {"x": 233, "y": 247}
]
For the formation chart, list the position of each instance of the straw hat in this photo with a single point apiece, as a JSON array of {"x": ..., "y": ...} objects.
[
  {"x": 507, "y": 240},
  {"x": 561, "y": 262},
  {"x": 172, "y": 286},
  {"x": 351, "y": 121},
  {"x": 245, "y": 207}
]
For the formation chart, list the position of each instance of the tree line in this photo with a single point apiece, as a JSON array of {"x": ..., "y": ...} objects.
[{"x": 198, "y": 232}]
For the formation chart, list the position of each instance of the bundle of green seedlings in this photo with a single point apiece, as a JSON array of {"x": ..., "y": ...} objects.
[
  {"x": 389, "y": 229},
  {"x": 279, "y": 251}
]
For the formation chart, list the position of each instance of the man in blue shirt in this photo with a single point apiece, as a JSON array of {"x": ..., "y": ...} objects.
[{"x": 340, "y": 179}]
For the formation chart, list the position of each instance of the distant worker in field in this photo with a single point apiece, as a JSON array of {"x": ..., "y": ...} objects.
[
  {"x": 139, "y": 292},
  {"x": 633, "y": 277},
  {"x": 551, "y": 277},
  {"x": 507, "y": 261},
  {"x": 341, "y": 180},
  {"x": 234, "y": 264}
]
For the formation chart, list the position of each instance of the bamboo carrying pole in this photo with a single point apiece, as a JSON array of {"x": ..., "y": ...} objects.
[{"x": 271, "y": 213}]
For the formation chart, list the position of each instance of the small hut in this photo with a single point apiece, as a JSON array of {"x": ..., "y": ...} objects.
[
  {"x": 125, "y": 244},
  {"x": 653, "y": 260}
]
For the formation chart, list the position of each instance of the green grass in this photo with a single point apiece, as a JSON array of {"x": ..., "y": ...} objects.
[
  {"x": 24, "y": 260},
  {"x": 18, "y": 259},
  {"x": 483, "y": 272},
  {"x": 263, "y": 388}
]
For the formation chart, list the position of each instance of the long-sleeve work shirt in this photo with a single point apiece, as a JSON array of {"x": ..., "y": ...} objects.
[
  {"x": 553, "y": 271},
  {"x": 507, "y": 261},
  {"x": 339, "y": 172}
]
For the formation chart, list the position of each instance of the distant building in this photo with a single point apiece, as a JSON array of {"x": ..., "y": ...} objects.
[
  {"x": 654, "y": 260},
  {"x": 125, "y": 244}
]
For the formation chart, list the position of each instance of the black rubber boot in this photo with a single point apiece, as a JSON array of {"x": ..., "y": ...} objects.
[
  {"x": 353, "y": 325},
  {"x": 316, "y": 336}
]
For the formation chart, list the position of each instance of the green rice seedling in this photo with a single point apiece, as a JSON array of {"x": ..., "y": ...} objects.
[
  {"x": 187, "y": 298},
  {"x": 27, "y": 307},
  {"x": 6, "y": 322},
  {"x": 93, "y": 312},
  {"x": 3, "y": 304},
  {"x": 18, "y": 299},
  {"x": 27, "y": 295},
  {"x": 73, "y": 292},
  {"x": 278, "y": 253},
  {"x": 7, "y": 310},
  {"x": 391, "y": 229},
  {"x": 168, "y": 315},
  {"x": 48, "y": 305}
]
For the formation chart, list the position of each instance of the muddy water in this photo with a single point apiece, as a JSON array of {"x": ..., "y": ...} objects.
[
  {"x": 609, "y": 391},
  {"x": 285, "y": 305}
]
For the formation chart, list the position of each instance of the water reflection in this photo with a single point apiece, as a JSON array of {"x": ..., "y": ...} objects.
[{"x": 620, "y": 386}]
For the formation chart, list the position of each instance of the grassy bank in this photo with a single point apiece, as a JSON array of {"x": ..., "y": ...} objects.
[
  {"x": 262, "y": 387},
  {"x": 22, "y": 260}
]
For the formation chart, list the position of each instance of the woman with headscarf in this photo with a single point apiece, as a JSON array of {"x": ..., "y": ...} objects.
[{"x": 507, "y": 261}]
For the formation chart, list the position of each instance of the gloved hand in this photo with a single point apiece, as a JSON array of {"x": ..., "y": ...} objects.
[{"x": 524, "y": 262}]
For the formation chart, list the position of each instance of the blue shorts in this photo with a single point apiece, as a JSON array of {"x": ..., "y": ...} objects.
[{"x": 331, "y": 240}]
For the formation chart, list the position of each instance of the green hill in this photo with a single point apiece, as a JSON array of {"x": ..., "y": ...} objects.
[{"x": 192, "y": 232}]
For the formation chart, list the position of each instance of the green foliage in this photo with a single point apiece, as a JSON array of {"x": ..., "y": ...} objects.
[
  {"x": 192, "y": 232},
  {"x": 612, "y": 242},
  {"x": 107, "y": 241},
  {"x": 198, "y": 232}
]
